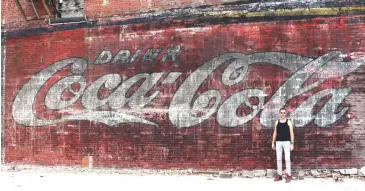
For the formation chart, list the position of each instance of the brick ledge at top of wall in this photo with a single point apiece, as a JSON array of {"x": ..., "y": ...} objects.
[{"x": 5, "y": 34}]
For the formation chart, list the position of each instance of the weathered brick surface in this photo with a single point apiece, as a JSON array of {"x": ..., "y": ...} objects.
[
  {"x": 100, "y": 8},
  {"x": 96, "y": 10},
  {"x": 93, "y": 9},
  {"x": 107, "y": 8},
  {"x": 178, "y": 142}
]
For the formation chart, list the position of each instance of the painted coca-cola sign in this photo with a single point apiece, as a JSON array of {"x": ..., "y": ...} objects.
[
  {"x": 185, "y": 108},
  {"x": 183, "y": 96}
]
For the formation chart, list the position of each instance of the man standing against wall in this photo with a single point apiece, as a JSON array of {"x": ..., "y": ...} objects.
[{"x": 283, "y": 139}]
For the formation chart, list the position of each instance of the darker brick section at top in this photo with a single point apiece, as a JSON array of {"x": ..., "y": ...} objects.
[
  {"x": 107, "y": 8},
  {"x": 93, "y": 9},
  {"x": 96, "y": 8}
]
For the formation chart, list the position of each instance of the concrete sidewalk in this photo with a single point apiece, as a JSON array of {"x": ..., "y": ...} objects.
[{"x": 39, "y": 181}]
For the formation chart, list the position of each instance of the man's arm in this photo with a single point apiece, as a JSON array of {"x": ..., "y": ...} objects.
[
  {"x": 291, "y": 135},
  {"x": 274, "y": 135},
  {"x": 291, "y": 132}
]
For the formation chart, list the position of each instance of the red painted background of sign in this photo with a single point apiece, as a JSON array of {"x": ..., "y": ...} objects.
[{"x": 203, "y": 146}]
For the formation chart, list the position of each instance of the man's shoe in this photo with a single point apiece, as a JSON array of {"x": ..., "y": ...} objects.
[
  {"x": 278, "y": 178},
  {"x": 288, "y": 179}
]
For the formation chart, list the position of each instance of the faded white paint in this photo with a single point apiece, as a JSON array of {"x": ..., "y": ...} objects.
[{"x": 184, "y": 105}]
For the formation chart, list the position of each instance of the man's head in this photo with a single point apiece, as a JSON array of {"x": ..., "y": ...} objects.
[{"x": 282, "y": 113}]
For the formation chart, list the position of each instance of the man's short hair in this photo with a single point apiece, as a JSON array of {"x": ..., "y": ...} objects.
[{"x": 282, "y": 109}]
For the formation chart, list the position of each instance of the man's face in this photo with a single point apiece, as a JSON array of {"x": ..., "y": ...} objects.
[{"x": 282, "y": 113}]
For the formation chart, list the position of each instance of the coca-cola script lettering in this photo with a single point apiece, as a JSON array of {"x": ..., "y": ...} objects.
[{"x": 184, "y": 103}]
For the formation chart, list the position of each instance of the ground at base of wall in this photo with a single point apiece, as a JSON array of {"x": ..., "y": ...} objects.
[
  {"x": 32, "y": 179},
  {"x": 337, "y": 175}
]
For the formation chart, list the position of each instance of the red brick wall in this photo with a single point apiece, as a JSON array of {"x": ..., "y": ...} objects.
[{"x": 38, "y": 129}]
